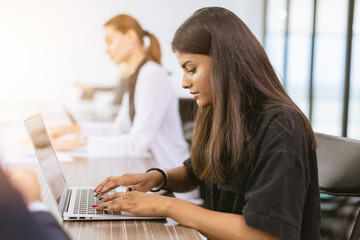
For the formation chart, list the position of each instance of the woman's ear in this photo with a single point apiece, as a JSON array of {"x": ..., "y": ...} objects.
[{"x": 132, "y": 36}]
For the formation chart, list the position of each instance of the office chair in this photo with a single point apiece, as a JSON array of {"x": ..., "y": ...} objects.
[
  {"x": 187, "y": 108},
  {"x": 339, "y": 180}
]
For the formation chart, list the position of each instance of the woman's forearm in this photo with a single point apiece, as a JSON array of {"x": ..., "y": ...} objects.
[
  {"x": 178, "y": 180},
  {"x": 212, "y": 224}
]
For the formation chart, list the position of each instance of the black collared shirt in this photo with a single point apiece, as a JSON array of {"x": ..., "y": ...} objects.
[{"x": 279, "y": 194}]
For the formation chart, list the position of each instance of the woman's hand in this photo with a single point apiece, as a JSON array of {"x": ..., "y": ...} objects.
[
  {"x": 59, "y": 131},
  {"x": 137, "y": 203},
  {"x": 69, "y": 144},
  {"x": 84, "y": 87},
  {"x": 141, "y": 182}
]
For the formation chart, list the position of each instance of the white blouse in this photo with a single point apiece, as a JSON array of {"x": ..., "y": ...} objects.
[{"x": 156, "y": 130}]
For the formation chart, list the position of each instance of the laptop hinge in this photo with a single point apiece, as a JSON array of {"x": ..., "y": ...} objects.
[{"x": 67, "y": 202}]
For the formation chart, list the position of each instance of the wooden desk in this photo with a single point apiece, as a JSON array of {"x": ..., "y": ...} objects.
[{"x": 89, "y": 172}]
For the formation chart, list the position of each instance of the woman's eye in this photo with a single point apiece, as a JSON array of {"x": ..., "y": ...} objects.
[{"x": 193, "y": 70}]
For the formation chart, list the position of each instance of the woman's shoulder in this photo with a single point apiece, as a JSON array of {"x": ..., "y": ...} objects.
[
  {"x": 151, "y": 67},
  {"x": 284, "y": 114},
  {"x": 283, "y": 119},
  {"x": 288, "y": 120},
  {"x": 152, "y": 75}
]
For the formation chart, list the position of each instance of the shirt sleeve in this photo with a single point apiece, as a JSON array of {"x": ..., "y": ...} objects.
[
  {"x": 37, "y": 207},
  {"x": 152, "y": 97},
  {"x": 277, "y": 187},
  {"x": 193, "y": 178}
]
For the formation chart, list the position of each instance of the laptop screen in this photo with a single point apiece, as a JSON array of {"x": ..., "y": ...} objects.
[{"x": 46, "y": 155}]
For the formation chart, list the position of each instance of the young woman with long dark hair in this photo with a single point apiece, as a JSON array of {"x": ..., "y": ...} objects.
[{"x": 253, "y": 150}]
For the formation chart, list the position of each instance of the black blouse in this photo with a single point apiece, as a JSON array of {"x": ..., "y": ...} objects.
[{"x": 279, "y": 193}]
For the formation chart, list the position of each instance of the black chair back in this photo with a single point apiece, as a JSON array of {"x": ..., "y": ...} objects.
[{"x": 339, "y": 180}]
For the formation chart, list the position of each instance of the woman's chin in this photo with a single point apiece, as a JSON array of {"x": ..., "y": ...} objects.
[{"x": 202, "y": 103}]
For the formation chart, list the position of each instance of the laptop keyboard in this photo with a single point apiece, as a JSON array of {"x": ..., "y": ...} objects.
[{"x": 85, "y": 199}]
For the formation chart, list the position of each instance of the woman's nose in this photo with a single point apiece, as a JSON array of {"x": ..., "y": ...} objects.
[
  {"x": 107, "y": 50},
  {"x": 186, "y": 83}
]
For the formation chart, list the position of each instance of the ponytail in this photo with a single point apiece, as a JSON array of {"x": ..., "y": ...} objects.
[{"x": 153, "y": 51}]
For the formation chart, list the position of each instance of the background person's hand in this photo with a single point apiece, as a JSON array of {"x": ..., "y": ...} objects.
[
  {"x": 69, "y": 144},
  {"x": 25, "y": 182},
  {"x": 137, "y": 203},
  {"x": 83, "y": 87},
  {"x": 59, "y": 131},
  {"x": 141, "y": 182},
  {"x": 26, "y": 142}
]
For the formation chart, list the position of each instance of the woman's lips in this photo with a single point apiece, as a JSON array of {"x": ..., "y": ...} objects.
[{"x": 195, "y": 95}]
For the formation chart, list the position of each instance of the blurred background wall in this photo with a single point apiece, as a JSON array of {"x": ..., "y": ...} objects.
[
  {"x": 314, "y": 45},
  {"x": 47, "y": 45}
]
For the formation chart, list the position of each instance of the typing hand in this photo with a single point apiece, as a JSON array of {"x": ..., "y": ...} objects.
[
  {"x": 138, "y": 203},
  {"x": 59, "y": 131},
  {"x": 69, "y": 144},
  {"x": 25, "y": 182},
  {"x": 83, "y": 87},
  {"x": 141, "y": 182},
  {"x": 26, "y": 142}
]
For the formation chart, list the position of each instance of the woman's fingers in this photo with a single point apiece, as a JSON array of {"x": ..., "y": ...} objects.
[
  {"x": 64, "y": 145},
  {"x": 107, "y": 188},
  {"x": 112, "y": 196},
  {"x": 117, "y": 204},
  {"x": 110, "y": 182},
  {"x": 137, "y": 203},
  {"x": 57, "y": 131},
  {"x": 134, "y": 182},
  {"x": 133, "y": 188},
  {"x": 110, "y": 186},
  {"x": 103, "y": 183},
  {"x": 140, "y": 187},
  {"x": 113, "y": 207}
]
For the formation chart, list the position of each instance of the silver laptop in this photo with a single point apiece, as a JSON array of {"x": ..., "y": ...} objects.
[{"x": 73, "y": 203}]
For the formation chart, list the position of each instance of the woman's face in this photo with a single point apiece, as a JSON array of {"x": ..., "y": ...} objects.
[
  {"x": 196, "y": 76},
  {"x": 118, "y": 45}
]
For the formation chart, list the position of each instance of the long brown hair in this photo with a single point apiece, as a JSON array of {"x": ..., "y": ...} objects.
[
  {"x": 244, "y": 84},
  {"x": 124, "y": 22}
]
